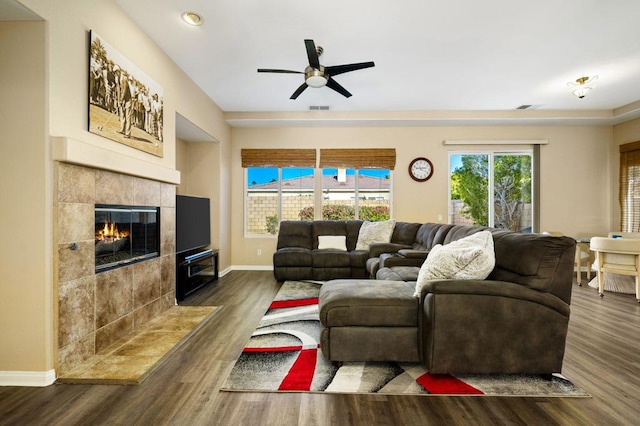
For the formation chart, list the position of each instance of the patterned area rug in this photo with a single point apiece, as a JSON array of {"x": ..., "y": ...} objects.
[{"x": 283, "y": 355}]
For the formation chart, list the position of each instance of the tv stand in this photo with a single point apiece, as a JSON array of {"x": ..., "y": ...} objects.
[{"x": 194, "y": 269}]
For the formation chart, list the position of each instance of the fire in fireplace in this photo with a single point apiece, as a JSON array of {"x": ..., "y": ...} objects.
[{"x": 125, "y": 234}]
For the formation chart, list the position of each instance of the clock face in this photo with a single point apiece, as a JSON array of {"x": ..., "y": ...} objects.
[{"x": 420, "y": 169}]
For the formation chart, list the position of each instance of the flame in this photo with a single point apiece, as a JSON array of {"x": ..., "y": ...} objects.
[{"x": 110, "y": 232}]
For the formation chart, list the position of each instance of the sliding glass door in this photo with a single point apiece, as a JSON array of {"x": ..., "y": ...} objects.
[{"x": 491, "y": 188}]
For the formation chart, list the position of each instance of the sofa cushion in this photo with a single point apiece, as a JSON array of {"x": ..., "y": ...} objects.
[
  {"x": 294, "y": 233},
  {"x": 535, "y": 260},
  {"x": 337, "y": 242},
  {"x": 470, "y": 257},
  {"x": 353, "y": 229},
  {"x": 292, "y": 256},
  {"x": 430, "y": 234},
  {"x": 368, "y": 303},
  {"x": 405, "y": 233},
  {"x": 374, "y": 232},
  {"x": 330, "y": 259}
]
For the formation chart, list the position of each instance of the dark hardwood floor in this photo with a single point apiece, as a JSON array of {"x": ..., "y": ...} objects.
[{"x": 603, "y": 357}]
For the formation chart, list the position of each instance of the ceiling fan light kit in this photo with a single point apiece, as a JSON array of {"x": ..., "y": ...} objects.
[
  {"x": 582, "y": 86},
  {"x": 315, "y": 78},
  {"x": 316, "y": 75}
]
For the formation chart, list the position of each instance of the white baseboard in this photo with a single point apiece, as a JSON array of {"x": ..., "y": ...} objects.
[
  {"x": 27, "y": 378},
  {"x": 251, "y": 268}
]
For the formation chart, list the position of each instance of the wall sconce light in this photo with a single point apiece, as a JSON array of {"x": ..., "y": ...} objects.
[
  {"x": 192, "y": 18},
  {"x": 582, "y": 86}
]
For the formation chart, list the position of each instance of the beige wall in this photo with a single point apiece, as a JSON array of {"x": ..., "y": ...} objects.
[
  {"x": 26, "y": 285},
  {"x": 181, "y": 164},
  {"x": 204, "y": 177},
  {"x": 575, "y": 184},
  {"x": 44, "y": 85}
]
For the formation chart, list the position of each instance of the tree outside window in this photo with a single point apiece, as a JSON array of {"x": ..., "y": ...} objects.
[{"x": 492, "y": 189}]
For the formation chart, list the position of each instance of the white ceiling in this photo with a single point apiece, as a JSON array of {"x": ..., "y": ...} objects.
[
  {"x": 438, "y": 62},
  {"x": 430, "y": 55}
]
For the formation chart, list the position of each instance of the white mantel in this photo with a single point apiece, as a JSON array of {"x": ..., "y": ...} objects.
[{"x": 73, "y": 151}]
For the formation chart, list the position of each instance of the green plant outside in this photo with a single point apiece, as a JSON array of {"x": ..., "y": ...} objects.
[
  {"x": 272, "y": 224},
  {"x": 512, "y": 188},
  {"x": 345, "y": 212}
]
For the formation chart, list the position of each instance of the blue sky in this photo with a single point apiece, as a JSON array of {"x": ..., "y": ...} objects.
[
  {"x": 267, "y": 174},
  {"x": 456, "y": 161}
]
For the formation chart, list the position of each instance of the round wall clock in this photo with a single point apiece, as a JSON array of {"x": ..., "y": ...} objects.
[{"x": 420, "y": 169}]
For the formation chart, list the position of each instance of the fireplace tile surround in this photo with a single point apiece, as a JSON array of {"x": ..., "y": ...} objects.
[{"x": 97, "y": 310}]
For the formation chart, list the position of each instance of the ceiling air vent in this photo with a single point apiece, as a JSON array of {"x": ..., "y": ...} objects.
[{"x": 319, "y": 108}]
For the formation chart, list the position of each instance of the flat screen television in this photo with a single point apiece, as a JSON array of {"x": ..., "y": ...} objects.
[{"x": 193, "y": 223}]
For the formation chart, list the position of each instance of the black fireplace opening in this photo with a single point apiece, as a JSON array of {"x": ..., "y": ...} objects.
[{"x": 125, "y": 234}]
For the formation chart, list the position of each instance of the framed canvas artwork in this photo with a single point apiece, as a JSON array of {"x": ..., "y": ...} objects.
[{"x": 125, "y": 105}]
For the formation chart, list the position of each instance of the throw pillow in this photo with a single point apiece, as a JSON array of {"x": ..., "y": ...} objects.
[
  {"x": 469, "y": 258},
  {"x": 337, "y": 242},
  {"x": 374, "y": 232}
]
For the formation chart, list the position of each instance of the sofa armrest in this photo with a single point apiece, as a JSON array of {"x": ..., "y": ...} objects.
[
  {"x": 414, "y": 254},
  {"x": 487, "y": 326},
  {"x": 494, "y": 288},
  {"x": 388, "y": 260},
  {"x": 376, "y": 249}
]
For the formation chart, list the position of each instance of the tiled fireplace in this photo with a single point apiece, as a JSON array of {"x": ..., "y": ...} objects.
[{"x": 97, "y": 304}]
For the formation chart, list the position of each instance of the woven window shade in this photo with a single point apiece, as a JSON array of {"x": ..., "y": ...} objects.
[
  {"x": 278, "y": 157},
  {"x": 374, "y": 158},
  {"x": 629, "y": 196}
]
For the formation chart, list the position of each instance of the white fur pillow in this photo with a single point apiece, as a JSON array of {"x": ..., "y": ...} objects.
[
  {"x": 469, "y": 258},
  {"x": 374, "y": 232},
  {"x": 336, "y": 242}
]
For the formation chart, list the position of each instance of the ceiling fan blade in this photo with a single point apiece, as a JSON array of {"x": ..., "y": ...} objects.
[
  {"x": 299, "y": 90},
  {"x": 312, "y": 54},
  {"x": 279, "y": 71},
  {"x": 341, "y": 69},
  {"x": 332, "y": 84}
]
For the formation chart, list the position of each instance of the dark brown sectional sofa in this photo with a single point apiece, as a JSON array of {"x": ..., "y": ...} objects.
[
  {"x": 514, "y": 321},
  {"x": 297, "y": 256}
]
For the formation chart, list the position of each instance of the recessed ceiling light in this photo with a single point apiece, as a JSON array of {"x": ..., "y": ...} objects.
[{"x": 192, "y": 18}]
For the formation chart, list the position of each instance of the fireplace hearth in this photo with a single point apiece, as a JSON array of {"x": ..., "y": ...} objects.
[{"x": 125, "y": 234}]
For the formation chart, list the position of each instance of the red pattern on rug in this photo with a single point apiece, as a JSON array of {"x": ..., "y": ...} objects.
[
  {"x": 301, "y": 373},
  {"x": 278, "y": 349},
  {"x": 279, "y": 304},
  {"x": 444, "y": 384}
]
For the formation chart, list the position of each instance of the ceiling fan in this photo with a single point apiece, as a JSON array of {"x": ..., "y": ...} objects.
[{"x": 316, "y": 75}]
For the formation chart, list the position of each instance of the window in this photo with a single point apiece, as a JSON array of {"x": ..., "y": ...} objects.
[
  {"x": 274, "y": 194},
  {"x": 280, "y": 185},
  {"x": 492, "y": 188},
  {"x": 629, "y": 195},
  {"x": 356, "y": 194}
]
